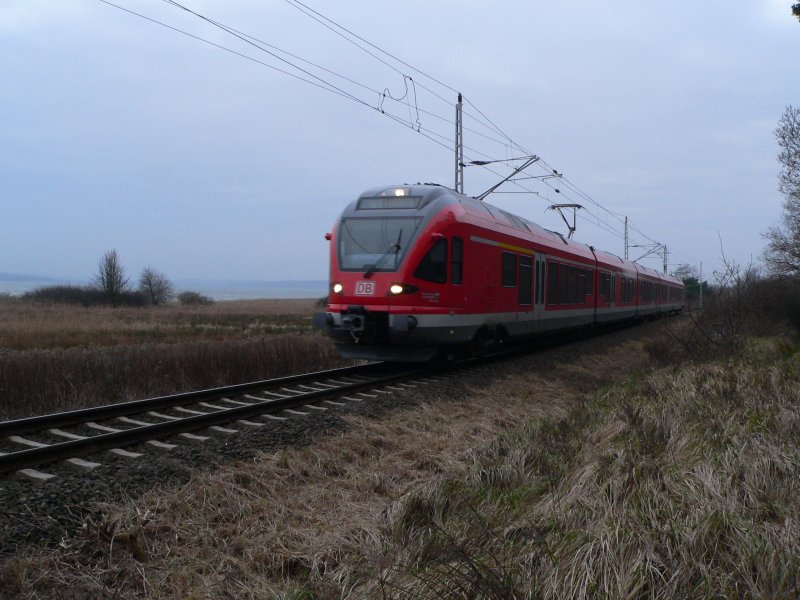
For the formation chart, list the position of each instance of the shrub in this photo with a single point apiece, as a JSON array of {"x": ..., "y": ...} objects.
[
  {"x": 66, "y": 294},
  {"x": 83, "y": 295},
  {"x": 133, "y": 298},
  {"x": 189, "y": 298}
]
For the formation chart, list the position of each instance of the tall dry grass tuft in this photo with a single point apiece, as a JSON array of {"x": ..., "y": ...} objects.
[
  {"x": 43, "y": 381},
  {"x": 683, "y": 484}
]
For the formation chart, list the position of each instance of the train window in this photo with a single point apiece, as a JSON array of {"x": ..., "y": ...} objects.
[
  {"x": 456, "y": 260},
  {"x": 585, "y": 277},
  {"x": 389, "y": 202},
  {"x": 552, "y": 283},
  {"x": 525, "y": 279},
  {"x": 536, "y": 274},
  {"x": 509, "y": 270},
  {"x": 433, "y": 266},
  {"x": 563, "y": 284},
  {"x": 541, "y": 282},
  {"x": 378, "y": 244},
  {"x": 572, "y": 288}
]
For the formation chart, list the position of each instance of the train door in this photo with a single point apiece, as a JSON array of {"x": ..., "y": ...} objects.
[
  {"x": 538, "y": 290},
  {"x": 457, "y": 290}
]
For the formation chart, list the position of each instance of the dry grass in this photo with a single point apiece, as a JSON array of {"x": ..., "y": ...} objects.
[
  {"x": 56, "y": 357},
  {"x": 679, "y": 482},
  {"x": 34, "y": 382},
  {"x": 682, "y": 484},
  {"x": 28, "y": 325},
  {"x": 320, "y": 519}
]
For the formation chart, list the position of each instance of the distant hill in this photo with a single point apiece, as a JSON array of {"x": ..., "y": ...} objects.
[
  {"x": 16, "y": 284},
  {"x": 251, "y": 283},
  {"x": 28, "y": 278}
]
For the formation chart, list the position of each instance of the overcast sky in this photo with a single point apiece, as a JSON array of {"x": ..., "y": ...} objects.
[{"x": 120, "y": 133}]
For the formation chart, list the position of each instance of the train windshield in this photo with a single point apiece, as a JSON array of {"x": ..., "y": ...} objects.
[{"x": 375, "y": 244}]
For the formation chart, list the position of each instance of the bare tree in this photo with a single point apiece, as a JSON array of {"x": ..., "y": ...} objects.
[
  {"x": 782, "y": 254},
  {"x": 155, "y": 286},
  {"x": 684, "y": 272},
  {"x": 110, "y": 278}
]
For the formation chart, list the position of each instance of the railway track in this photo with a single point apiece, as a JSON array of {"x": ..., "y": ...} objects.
[
  {"x": 65, "y": 438},
  {"x": 162, "y": 423}
]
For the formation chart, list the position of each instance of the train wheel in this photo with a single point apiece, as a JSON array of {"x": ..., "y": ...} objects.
[
  {"x": 501, "y": 336},
  {"x": 480, "y": 343}
]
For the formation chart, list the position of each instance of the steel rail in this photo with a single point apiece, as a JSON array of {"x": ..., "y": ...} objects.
[
  {"x": 123, "y": 409},
  {"x": 91, "y": 444}
]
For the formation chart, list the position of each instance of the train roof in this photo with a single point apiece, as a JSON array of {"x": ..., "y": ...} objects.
[
  {"x": 395, "y": 201},
  {"x": 429, "y": 199}
]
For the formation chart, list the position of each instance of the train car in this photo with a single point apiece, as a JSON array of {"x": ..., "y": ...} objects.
[{"x": 418, "y": 269}]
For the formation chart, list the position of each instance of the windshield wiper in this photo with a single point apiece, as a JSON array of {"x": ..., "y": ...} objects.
[{"x": 393, "y": 248}]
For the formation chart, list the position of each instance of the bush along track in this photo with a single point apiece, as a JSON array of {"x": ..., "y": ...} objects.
[{"x": 548, "y": 481}]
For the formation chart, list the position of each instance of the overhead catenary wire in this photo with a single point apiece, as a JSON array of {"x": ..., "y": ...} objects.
[
  {"x": 338, "y": 29},
  {"x": 306, "y": 75},
  {"x": 321, "y": 83},
  {"x": 324, "y": 84}
]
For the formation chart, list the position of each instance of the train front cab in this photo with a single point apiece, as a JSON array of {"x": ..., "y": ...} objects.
[{"x": 404, "y": 307}]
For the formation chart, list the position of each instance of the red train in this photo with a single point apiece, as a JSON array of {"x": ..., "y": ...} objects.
[{"x": 420, "y": 269}]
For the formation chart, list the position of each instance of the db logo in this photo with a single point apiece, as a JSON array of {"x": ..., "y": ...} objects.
[{"x": 365, "y": 288}]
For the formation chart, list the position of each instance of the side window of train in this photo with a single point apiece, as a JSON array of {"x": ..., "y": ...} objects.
[
  {"x": 572, "y": 289},
  {"x": 456, "y": 260},
  {"x": 552, "y": 283},
  {"x": 541, "y": 281},
  {"x": 536, "y": 275},
  {"x": 584, "y": 285},
  {"x": 563, "y": 284},
  {"x": 433, "y": 266},
  {"x": 508, "y": 275},
  {"x": 525, "y": 280}
]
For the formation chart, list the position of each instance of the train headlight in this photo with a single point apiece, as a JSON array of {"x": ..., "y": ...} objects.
[
  {"x": 397, "y": 289},
  {"x": 337, "y": 288}
]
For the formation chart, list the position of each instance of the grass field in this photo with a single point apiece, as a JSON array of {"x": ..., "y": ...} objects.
[
  {"x": 660, "y": 462},
  {"x": 610, "y": 473},
  {"x": 32, "y": 326},
  {"x": 56, "y": 357}
]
